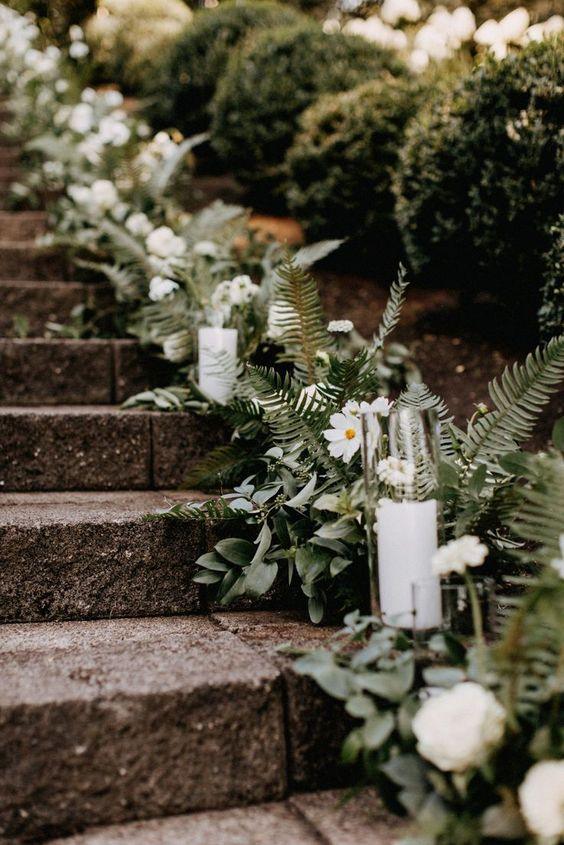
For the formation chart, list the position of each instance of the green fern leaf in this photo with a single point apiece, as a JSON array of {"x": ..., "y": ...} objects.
[
  {"x": 299, "y": 319},
  {"x": 392, "y": 312},
  {"x": 518, "y": 398}
]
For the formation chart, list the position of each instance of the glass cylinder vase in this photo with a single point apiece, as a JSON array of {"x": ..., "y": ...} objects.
[
  {"x": 403, "y": 515},
  {"x": 217, "y": 362}
]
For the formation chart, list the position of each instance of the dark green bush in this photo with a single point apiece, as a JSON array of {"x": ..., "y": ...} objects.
[
  {"x": 183, "y": 84},
  {"x": 551, "y": 312},
  {"x": 341, "y": 163},
  {"x": 481, "y": 178},
  {"x": 269, "y": 82}
]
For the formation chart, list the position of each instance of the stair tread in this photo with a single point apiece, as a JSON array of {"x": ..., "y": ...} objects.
[
  {"x": 61, "y": 508},
  {"x": 332, "y": 817}
]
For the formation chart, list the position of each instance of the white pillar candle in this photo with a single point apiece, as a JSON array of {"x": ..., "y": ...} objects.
[
  {"x": 407, "y": 540},
  {"x": 217, "y": 362}
]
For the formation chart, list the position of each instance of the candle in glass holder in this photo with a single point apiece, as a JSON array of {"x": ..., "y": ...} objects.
[
  {"x": 217, "y": 362},
  {"x": 407, "y": 540}
]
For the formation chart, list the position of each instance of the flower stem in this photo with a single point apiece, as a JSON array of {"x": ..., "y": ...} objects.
[{"x": 478, "y": 624}]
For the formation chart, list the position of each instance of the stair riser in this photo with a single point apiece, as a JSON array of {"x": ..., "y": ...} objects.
[
  {"x": 38, "y": 303},
  {"x": 8, "y": 173},
  {"x": 28, "y": 263},
  {"x": 125, "y": 756},
  {"x": 9, "y": 156},
  {"x": 22, "y": 225},
  {"x": 100, "y": 450},
  {"x": 100, "y": 570}
]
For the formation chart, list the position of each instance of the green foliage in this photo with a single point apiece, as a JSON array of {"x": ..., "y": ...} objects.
[
  {"x": 299, "y": 322},
  {"x": 269, "y": 82},
  {"x": 342, "y": 160},
  {"x": 186, "y": 76},
  {"x": 128, "y": 41},
  {"x": 551, "y": 312},
  {"x": 481, "y": 178}
]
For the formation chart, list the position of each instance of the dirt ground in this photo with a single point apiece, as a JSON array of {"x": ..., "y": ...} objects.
[{"x": 458, "y": 351}]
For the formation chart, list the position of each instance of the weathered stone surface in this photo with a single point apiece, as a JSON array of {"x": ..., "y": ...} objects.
[
  {"x": 344, "y": 820},
  {"x": 266, "y": 824},
  {"x": 38, "y": 303},
  {"x": 9, "y": 156},
  {"x": 136, "y": 370},
  {"x": 49, "y": 372},
  {"x": 22, "y": 225},
  {"x": 90, "y": 555},
  {"x": 104, "y": 722},
  {"x": 316, "y": 723},
  {"x": 179, "y": 440},
  {"x": 74, "y": 448},
  {"x": 23, "y": 260}
]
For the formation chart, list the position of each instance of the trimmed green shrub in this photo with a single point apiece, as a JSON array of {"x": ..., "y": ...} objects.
[
  {"x": 186, "y": 78},
  {"x": 341, "y": 164},
  {"x": 269, "y": 82},
  {"x": 481, "y": 178},
  {"x": 55, "y": 16},
  {"x": 127, "y": 38},
  {"x": 551, "y": 312}
]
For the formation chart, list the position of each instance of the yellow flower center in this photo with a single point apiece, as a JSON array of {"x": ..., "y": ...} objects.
[{"x": 350, "y": 433}]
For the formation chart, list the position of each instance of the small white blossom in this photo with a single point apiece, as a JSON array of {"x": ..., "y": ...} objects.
[
  {"x": 457, "y": 730},
  {"x": 163, "y": 243},
  {"x": 344, "y": 436},
  {"x": 104, "y": 195},
  {"x": 395, "y": 471},
  {"x": 113, "y": 99},
  {"x": 514, "y": 25},
  {"x": 78, "y": 50},
  {"x": 76, "y": 33},
  {"x": 541, "y": 796},
  {"x": 340, "y": 326},
  {"x": 79, "y": 194},
  {"x": 113, "y": 131},
  {"x": 139, "y": 225},
  {"x": 159, "y": 288},
  {"x": 418, "y": 60},
  {"x": 459, "y": 554},
  {"x": 81, "y": 118},
  {"x": 393, "y": 11}
]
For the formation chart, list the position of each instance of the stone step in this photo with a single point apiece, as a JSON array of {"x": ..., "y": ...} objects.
[
  {"x": 105, "y": 722},
  {"x": 99, "y": 448},
  {"x": 91, "y": 555},
  {"x": 37, "y": 303},
  {"x": 74, "y": 372},
  {"x": 24, "y": 260},
  {"x": 331, "y": 817},
  {"x": 9, "y": 173},
  {"x": 22, "y": 225}
]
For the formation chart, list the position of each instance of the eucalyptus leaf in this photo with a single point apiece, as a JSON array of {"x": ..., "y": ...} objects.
[
  {"x": 377, "y": 729},
  {"x": 235, "y": 550}
]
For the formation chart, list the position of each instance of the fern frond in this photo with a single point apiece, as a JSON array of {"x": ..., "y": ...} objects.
[
  {"x": 540, "y": 519},
  {"x": 126, "y": 249},
  {"x": 419, "y": 397},
  {"x": 213, "y": 510},
  {"x": 125, "y": 281},
  {"x": 295, "y": 421},
  {"x": 223, "y": 466},
  {"x": 244, "y": 415},
  {"x": 351, "y": 378},
  {"x": 518, "y": 397},
  {"x": 392, "y": 312},
  {"x": 213, "y": 219},
  {"x": 299, "y": 319},
  {"x": 161, "y": 178}
]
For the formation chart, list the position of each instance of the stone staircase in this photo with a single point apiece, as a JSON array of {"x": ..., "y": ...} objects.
[{"x": 131, "y": 711}]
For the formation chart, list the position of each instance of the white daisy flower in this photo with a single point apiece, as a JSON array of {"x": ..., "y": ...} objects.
[{"x": 344, "y": 436}]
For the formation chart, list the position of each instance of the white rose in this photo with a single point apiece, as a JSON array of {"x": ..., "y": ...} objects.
[
  {"x": 104, "y": 194},
  {"x": 418, "y": 60},
  {"x": 163, "y": 243},
  {"x": 541, "y": 796},
  {"x": 488, "y": 33},
  {"x": 393, "y": 11},
  {"x": 242, "y": 290},
  {"x": 457, "y": 555},
  {"x": 456, "y": 730},
  {"x": 159, "y": 288},
  {"x": 81, "y": 118},
  {"x": 139, "y": 225},
  {"x": 514, "y": 25}
]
